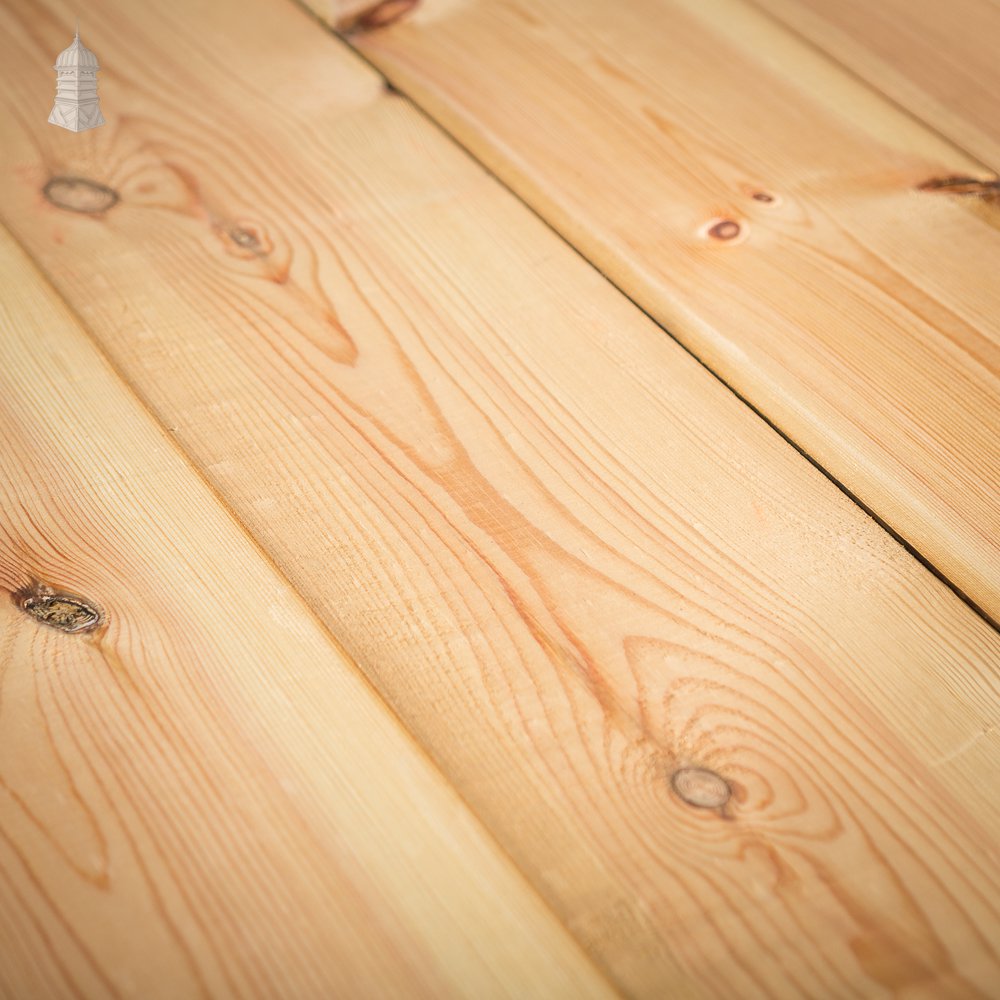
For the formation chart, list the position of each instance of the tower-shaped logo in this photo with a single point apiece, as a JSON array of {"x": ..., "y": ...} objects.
[{"x": 76, "y": 106}]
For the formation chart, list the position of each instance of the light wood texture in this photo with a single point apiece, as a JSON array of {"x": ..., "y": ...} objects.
[
  {"x": 940, "y": 61},
  {"x": 202, "y": 797},
  {"x": 573, "y": 562},
  {"x": 766, "y": 207}
]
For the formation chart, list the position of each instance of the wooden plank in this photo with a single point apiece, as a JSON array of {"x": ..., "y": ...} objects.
[
  {"x": 798, "y": 233},
  {"x": 576, "y": 565},
  {"x": 202, "y": 796},
  {"x": 938, "y": 61}
]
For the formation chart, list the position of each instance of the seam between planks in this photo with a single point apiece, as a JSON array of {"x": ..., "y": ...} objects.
[
  {"x": 907, "y": 546},
  {"x": 870, "y": 85},
  {"x": 598, "y": 970}
]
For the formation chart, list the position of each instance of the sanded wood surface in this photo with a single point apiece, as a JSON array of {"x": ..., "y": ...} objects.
[
  {"x": 738, "y": 739},
  {"x": 201, "y": 796},
  {"x": 832, "y": 259},
  {"x": 940, "y": 61}
]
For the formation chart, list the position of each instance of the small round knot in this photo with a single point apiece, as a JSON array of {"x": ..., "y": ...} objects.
[
  {"x": 762, "y": 196},
  {"x": 77, "y": 194},
  {"x": 725, "y": 229},
  {"x": 701, "y": 788},
  {"x": 244, "y": 238}
]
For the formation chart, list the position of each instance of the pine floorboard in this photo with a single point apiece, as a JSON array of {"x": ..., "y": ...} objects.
[
  {"x": 183, "y": 747},
  {"x": 828, "y": 255},
  {"x": 649, "y": 703},
  {"x": 938, "y": 61}
]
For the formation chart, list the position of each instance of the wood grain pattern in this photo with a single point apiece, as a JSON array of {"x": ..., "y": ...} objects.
[
  {"x": 939, "y": 61},
  {"x": 800, "y": 234},
  {"x": 202, "y": 797},
  {"x": 598, "y": 590}
]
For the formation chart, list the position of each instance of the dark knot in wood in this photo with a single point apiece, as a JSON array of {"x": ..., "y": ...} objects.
[
  {"x": 77, "y": 194},
  {"x": 725, "y": 229},
  {"x": 381, "y": 15},
  {"x": 244, "y": 238},
  {"x": 988, "y": 189},
  {"x": 61, "y": 611},
  {"x": 701, "y": 788}
]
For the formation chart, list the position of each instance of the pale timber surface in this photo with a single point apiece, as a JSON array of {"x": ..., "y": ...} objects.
[
  {"x": 739, "y": 741},
  {"x": 201, "y": 796},
  {"x": 831, "y": 258},
  {"x": 939, "y": 61}
]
